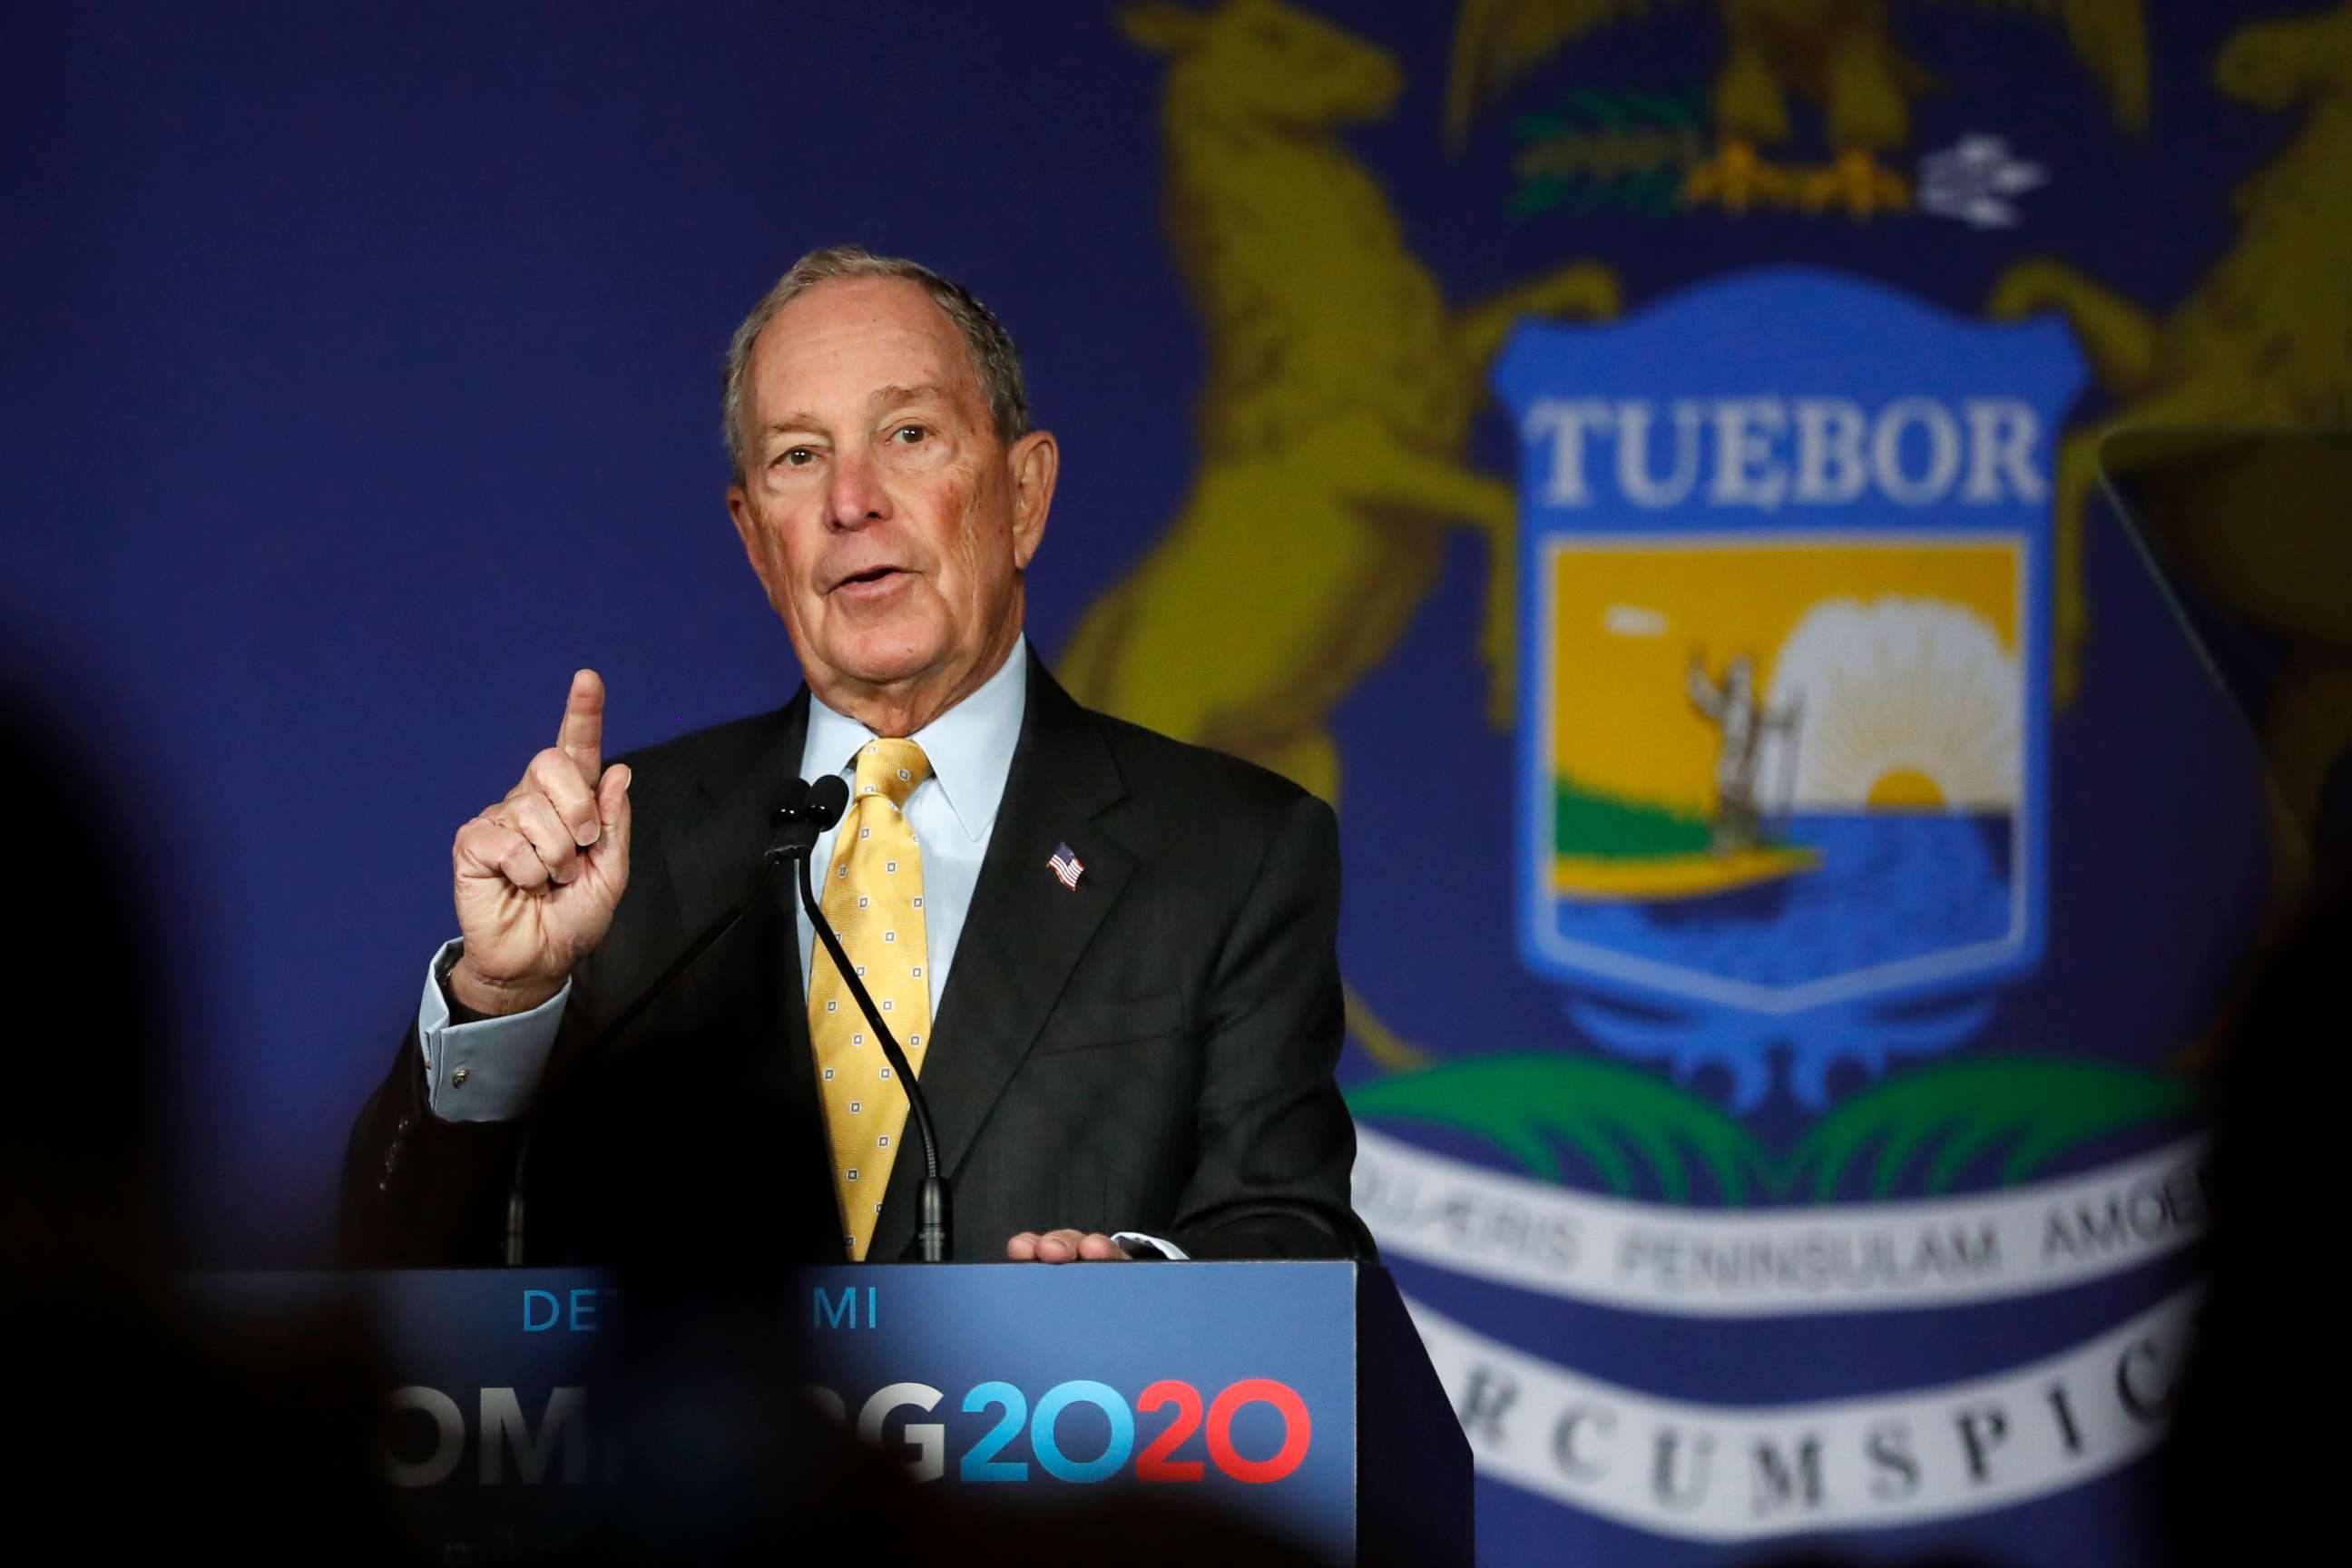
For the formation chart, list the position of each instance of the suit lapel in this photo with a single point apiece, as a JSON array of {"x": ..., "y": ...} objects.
[
  {"x": 692, "y": 866},
  {"x": 708, "y": 869},
  {"x": 712, "y": 862},
  {"x": 1022, "y": 935}
]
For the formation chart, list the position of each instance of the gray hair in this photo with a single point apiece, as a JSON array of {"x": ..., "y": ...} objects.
[{"x": 995, "y": 361}]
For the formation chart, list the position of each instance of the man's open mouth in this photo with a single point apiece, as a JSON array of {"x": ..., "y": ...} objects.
[{"x": 873, "y": 575}]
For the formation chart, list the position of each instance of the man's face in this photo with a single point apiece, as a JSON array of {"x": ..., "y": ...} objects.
[{"x": 887, "y": 523}]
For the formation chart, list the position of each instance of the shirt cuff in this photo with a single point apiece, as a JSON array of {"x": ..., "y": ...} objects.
[
  {"x": 488, "y": 1070},
  {"x": 1167, "y": 1250}
]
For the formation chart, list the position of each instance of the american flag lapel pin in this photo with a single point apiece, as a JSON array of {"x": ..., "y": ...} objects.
[{"x": 1067, "y": 865}]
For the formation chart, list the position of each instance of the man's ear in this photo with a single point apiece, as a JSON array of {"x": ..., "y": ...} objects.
[
  {"x": 746, "y": 529},
  {"x": 739, "y": 510},
  {"x": 1160, "y": 26},
  {"x": 1034, "y": 463}
]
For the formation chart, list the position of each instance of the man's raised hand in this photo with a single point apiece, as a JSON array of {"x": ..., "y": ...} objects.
[{"x": 540, "y": 873}]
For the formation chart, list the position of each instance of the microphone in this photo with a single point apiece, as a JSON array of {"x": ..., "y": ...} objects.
[
  {"x": 826, "y": 801},
  {"x": 805, "y": 812}
]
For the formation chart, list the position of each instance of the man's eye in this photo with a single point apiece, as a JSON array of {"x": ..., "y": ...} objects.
[
  {"x": 798, "y": 457},
  {"x": 908, "y": 434}
]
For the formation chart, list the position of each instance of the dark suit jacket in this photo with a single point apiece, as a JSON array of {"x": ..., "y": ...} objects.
[{"x": 1151, "y": 1050}]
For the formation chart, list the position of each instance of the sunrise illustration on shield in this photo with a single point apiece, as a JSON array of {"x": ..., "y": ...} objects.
[{"x": 1769, "y": 754}]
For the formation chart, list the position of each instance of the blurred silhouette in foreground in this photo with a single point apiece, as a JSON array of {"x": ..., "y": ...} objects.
[
  {"x": 144, "y": 1431},
  {"x": 2251, "y": 528}
]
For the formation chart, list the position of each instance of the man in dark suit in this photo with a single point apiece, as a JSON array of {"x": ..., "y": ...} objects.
[{"x": 1129, "y": 943}]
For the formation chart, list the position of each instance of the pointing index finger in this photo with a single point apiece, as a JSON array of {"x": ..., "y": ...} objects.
[{"x": 581, "y": 738}]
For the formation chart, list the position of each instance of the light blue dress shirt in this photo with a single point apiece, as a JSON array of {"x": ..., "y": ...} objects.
[{"x": 490, "y": 1070}]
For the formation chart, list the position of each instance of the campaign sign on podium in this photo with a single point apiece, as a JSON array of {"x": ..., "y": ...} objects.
[{"x": 1292, "y": 1394}]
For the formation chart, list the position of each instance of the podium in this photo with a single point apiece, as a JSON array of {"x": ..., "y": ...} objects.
[{"x": 1294, "y": 1397}]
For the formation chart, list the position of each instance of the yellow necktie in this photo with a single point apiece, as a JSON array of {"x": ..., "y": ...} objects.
[{"x": 873, "y": 899}]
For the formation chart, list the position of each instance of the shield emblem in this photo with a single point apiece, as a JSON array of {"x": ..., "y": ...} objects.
[{"x": 1783, "y": 734}]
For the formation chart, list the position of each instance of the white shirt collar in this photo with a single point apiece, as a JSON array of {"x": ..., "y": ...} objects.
[{"x": 970, "y": 746}]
